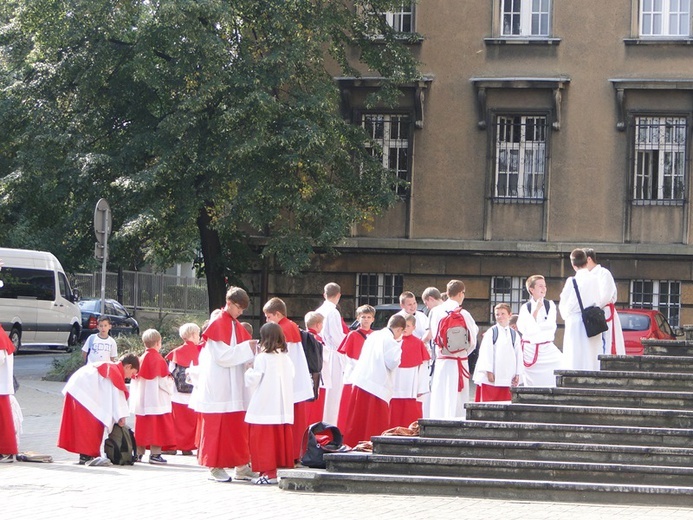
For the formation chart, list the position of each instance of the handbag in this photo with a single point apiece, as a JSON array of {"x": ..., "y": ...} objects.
[{"x": 593, "y": 317}]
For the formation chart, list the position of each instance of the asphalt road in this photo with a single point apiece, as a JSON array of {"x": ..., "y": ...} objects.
[{"x": 32, "y": 363}]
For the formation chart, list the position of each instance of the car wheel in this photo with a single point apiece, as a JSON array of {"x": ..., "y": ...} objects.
[
  {"x": 16, "y": 337},
  {"x": 72, "y": 340}
]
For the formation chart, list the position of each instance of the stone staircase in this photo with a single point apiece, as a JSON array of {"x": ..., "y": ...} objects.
[{"x": 620, "y": 435}]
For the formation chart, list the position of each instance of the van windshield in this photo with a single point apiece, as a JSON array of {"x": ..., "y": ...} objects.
[{"x": 19, "y": 282}]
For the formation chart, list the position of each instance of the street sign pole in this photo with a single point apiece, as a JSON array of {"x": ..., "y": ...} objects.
[{"x": 102, "y": 227}]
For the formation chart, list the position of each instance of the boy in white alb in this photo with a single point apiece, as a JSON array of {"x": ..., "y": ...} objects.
[
  {"x": 499, "y": 364},
  {"x": 537, "y": 324},
  {"x": 407, "y": 301},
  {"x": 372, "y": 383},
  {"x": 411, "y": 380},
  {"x": 450, "y": 384},
  {"x": 612, "y": 340},
  {"x": 333, "y": 335},
  {"x": 101, "y": 346}
]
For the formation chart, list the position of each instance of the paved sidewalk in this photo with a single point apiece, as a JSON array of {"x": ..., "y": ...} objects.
[{"x": 181, "y": 489}]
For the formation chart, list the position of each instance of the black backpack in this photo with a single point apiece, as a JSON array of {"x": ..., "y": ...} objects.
[
  {"x": 312, "y": 451},
  {"x": 313, "y": 351},
  {"x": 120, "y": 446}
]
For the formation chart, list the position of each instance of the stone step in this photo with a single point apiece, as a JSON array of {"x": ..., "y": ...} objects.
[
  {"x": 474, "y": 467},
  {"x": 575, "y": 433},
  {"x": 532, "y": 450},
  {"x": 504, "y": 489},
  {"x": 604, "y": 397},
  {"x": 676, "y": 364},
  {"x": 593, "y": 415},
  {"x": 656, "y": 381},
  {"x": 658, "y": 347}
]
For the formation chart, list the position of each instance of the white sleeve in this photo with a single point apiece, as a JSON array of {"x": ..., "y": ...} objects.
[
  {"x": 392, "y": 353},
  {"x": 229, "y": 355},
  {"x": 3, "y": 357}
]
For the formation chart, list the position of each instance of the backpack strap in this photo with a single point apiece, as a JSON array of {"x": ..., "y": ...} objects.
[{"x": 547, "y": 306}]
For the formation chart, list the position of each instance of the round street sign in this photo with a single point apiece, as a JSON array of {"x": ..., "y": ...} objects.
[{"x": 102, "y": 220}]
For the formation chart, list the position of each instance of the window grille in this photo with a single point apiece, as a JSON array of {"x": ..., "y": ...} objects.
[
  {"x": 508, "y": 289},
  {"x": 378, "y": 288},
  {"x": 662, "y": 295},
  {"x": 660, "y": 158},
  {"x": 521, "y": 156},
  {"x": 390, "y": 132}
]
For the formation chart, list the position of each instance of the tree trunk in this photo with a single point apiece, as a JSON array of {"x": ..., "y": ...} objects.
[{"x": 213, "y": 261}]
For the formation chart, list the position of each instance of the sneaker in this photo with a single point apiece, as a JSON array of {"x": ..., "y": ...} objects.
[
  {"x": 157, "y": 459},
  {"x": 245, "y": 473},
  {"x": 83, "y": 459},
  {"x": 6, "y": 458},
  {"x": 99, "y": 461},
  {"x": 219, "y": 475},
  {"x": 264, "y": 480}
]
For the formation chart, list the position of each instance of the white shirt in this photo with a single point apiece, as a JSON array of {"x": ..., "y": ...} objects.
[
  {"x": 332, "y": 330},
  {"x": 100, "y": 349},
  {"x": 421, "y": 323},
  {"x": 271, "y": 381}
]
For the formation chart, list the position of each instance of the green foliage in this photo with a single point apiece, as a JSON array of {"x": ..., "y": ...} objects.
[{"x": 207, "y": 120}]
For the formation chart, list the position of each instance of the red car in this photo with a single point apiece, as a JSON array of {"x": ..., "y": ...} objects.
[{"x": 643, "y": 323}]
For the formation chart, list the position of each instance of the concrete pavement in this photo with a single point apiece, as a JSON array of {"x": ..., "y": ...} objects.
[{"x": 64, "y": 489}]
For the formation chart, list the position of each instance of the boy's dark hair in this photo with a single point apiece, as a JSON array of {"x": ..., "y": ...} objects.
[
  {"x": 275, "y": 305},
  {"x": 103, "y": 318},
  {"x": 238, "y": 296},
  {"x": 578, "y": 258},
  {"x": 396, "y": 321},
  {"x": 589, "y": 252},
  {"x": 130, "y": 359},
  {"x": 272, "y": 338}
]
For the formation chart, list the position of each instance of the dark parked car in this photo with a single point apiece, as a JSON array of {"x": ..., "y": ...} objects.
[
  {"x": 121, "y": 320},
  {"x": 643, "y": 323}
]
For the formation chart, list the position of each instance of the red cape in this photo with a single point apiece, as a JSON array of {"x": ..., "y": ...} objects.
[
  {"x": 5, "y": 342},
  {"x": 152, "y": 365},
  {"x": 291, "y": 332},
  {"x": 186, "y": 355},
  {"x": 352, "y": 344},
  {"x": 220, "y": 330},
  {"x": 116, "y": 374},
  {"x": 414, "y": 352}
]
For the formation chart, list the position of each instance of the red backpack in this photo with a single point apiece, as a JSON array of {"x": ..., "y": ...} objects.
[{"x": 453, "y": 334}]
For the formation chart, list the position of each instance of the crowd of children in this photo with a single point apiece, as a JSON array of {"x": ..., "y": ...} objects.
[{"x": 245, "y": 404}]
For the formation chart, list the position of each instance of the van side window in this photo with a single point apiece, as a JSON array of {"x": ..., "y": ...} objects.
[
  {"x": 35, "y": 284},
  {"x": 64, "y": 287}
]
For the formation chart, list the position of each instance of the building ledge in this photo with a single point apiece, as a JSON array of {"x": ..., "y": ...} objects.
[
  {"x": 622, "y": 85},
  {"x": 658, "y": 41},
  {"x": 503, "y": 40},
  {"x": 556, "y": 84},
  {"x": 430, "y": 245}
]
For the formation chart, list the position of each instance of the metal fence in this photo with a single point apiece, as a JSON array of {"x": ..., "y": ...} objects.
[{"x": 147, "y": 291}]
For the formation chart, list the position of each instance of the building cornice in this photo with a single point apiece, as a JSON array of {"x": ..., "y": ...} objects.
[
  {"x": 555, "y": 84},
  {"x": 623, "y": 85}
]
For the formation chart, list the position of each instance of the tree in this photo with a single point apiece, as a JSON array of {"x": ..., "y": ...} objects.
[{"x": 202, "y": 122}]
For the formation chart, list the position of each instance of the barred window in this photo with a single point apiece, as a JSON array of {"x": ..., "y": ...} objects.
[
  {"x": 378, "y": 288},
  {"x": 662, "y": 295},
  {"x": 525, "y": 17},
  {"x": 660, "y": 158},
  {"x": 508, "y": 289},
  {"x": 401, "y": 20},
  {"x": 391, "y": 133},
  {"x": 665, "y": 18},
  {"x": 520, "y": 157}
]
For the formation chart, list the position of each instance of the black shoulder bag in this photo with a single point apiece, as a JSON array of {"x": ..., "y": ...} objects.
[{"x": 593, "y": 317}]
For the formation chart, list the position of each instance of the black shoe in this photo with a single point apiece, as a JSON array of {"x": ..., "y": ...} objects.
[
  {"x": 157, "y": 459},
  {"x": 83, "y": 459}
]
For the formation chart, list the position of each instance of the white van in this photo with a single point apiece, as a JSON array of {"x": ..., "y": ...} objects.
[{"x": 37, "y": 305}]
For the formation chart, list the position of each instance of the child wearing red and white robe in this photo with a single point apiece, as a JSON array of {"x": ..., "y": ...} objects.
[
  {"x": 351, "y": 348},
  {"x": 271, "y": 409},
  {"x": 219, "y": 393},
  {"x": 314, "y": 409},
  {"x": 95, "y": 398},
  {"x": 179, "y": 359},
  {"x": 8, "y": 432},
  {"x": 275, "y": 312},
  {"x": 151, "y": 401},
  {"x": 372, "y": 381},
  {"x": 411, "y": 380},
  {"x": 499, "y": 365}
]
